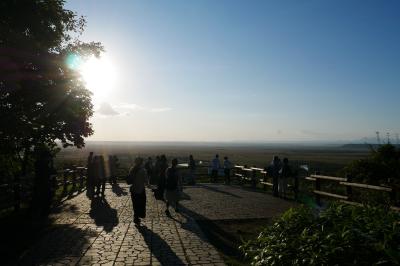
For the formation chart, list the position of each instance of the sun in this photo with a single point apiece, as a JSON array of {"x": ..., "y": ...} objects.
[{"x": 99, "y": 75}]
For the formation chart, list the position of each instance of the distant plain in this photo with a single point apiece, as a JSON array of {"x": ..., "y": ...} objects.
[{"x": 325, "y": 158}]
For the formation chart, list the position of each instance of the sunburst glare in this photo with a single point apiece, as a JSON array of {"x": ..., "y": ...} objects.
[{"x": 99, "y": 75}]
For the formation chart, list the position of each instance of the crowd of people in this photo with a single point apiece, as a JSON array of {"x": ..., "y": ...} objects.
[
  {"x": 168, "y": 179},
  {"x": 98, "y": 171},
  {"x": 280, "y": 171}
]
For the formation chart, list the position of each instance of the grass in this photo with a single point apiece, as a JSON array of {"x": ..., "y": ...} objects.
[{"x": 326, "y": 159}]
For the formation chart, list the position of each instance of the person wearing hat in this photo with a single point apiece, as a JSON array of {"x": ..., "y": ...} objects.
[{"x": 138, "y": 178}]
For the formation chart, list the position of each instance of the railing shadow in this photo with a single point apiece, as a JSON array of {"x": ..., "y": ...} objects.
[
  {"x": 159, "y": 248},
  {"x": 48, "y": 250},
  {"x": 208, "y": 187}
]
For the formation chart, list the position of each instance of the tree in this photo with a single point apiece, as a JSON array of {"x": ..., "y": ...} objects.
[
  {"x": 42, "y": 99},
  {"x": 382, "y": 166}
]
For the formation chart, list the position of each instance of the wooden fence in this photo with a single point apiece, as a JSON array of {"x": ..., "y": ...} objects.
[
  {"x": 14, "y": 193},
  {"x": 348, "y": 186},
  {"x": 255, "y": 175}
]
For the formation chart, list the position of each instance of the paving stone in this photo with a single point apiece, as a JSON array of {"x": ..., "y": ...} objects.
[{"x": 101, "y": 232}]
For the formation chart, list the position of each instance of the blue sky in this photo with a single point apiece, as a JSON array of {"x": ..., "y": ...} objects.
[{"x": 247, "y": 70}]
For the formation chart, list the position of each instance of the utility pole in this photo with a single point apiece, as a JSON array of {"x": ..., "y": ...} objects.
[{"x": 378, "y": 138}]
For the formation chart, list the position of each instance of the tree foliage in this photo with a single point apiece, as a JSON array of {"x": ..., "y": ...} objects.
[
  {"x": 41, "y": 99},
  {"x": 382, "y": 166}
]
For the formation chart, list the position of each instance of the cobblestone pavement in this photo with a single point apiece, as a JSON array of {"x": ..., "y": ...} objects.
[
  {"x": 101, "y": 232},
  {"x": 221, "y": 202}
]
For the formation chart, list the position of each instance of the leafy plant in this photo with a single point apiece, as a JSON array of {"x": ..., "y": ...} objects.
[
  {"x": 339, "y": 235},
  {"x": 382, "y": 166}
]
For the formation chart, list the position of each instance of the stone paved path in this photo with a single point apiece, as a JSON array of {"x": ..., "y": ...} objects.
[
  {"x": 102, "y": 233},
  {"x": 221, "y": 202}
]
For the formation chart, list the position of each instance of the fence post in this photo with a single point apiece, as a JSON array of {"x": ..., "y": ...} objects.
[
  {"x": 349, "y": 189},
  {"x": 265, "y": 180},
  {"x": 318, "y": 187},
  {"x": 73, "y": 174},
  {"x": 81, "y": 177},
  {"x": 253, "y": 179},
  {"x": 65, "y": 176},
  {"x": 393, "y": 196}
]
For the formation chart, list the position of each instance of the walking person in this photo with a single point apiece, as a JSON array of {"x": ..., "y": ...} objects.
[
  {"x": 90, "y": 183},
  {"x": 192, "y": 169},
  {"x": 227, "y": 170},
  {"x": 112, "y": 166},
  {"x": 161, "y": 177},
  {"x": 100, "y": 175},
  {"x": 216, "y": 165},
  {"x": 149, "y": 167},
  {"x": 285, "y": 173},
  {"x": 273, "y": 171},
  {"x": 173, "y": 187},
  {"x": 138, "y": 178},
  {"x": 156, "y": 171}
]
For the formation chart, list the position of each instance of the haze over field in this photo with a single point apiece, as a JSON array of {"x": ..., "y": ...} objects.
[{"x": 244, "y": 71}]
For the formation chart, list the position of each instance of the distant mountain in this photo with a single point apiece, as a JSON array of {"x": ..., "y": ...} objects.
[{"x": 363, "y": 146}]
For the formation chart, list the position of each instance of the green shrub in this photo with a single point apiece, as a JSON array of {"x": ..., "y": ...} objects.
[
  {"x": 339, "y": 235},
  {"x": 382, "y": 166}
]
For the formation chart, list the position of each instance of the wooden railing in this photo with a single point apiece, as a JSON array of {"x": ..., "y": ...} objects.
[
  {"x": 254, "y": 175},
  {"x": 348, "y": 185},
  {"x": 14, "y": 193}
]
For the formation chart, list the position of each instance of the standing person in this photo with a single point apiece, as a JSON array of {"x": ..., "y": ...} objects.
[
  {"x": 161, "y": 177},
  {"x": 173, "y": 186},
  {"x": 149, "y": 166},
  {"x": 112, "y": 166},
  {"x": 273, "y": 171},
  {"x": 192, "y": 169},
  {"x": 101, "y": 175},
  {"x": 90, "y": 183},
  {"x": 138, "y": 178},
  {"x": 215, "y": 167},
  {"x": 156, "y": 171},
  {"x": 227, "y": 170},
  {"x": 96, "y": 174},
  {"x": 285, "y": 173}
]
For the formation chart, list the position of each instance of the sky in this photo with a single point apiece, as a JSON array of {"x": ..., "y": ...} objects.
[{"x": 228, "y": 70}]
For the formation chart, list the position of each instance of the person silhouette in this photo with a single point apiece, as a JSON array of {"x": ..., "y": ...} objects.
[
  {"x": 138, "y": 178},
  {"x": 173, "y": 186},
  {"x": 215, "y": 165}
]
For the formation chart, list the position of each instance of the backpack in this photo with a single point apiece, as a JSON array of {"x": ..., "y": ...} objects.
[{"x": 172, "y": 179}]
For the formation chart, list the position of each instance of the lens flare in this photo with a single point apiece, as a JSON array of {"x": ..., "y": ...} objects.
[{"x": 99, "y": 75}]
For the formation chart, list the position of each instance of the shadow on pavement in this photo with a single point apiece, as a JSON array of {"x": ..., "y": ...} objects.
[
  {"x": 119, "y": 191},
  {"x": 219, "y": 191},
  {"x": 159, "y": 248},
  {"x": 103, "y": 214},
  {"x": 48, "y": 249}
]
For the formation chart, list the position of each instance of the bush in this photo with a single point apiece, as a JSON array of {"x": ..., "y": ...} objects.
[
  {"x": 339, "y": 235},
  {"x": 382, "y": 166}
]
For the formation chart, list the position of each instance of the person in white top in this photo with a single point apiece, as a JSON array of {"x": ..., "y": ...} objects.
[
  {"x": 138, "y": 178},
  {"x": 216, "y": 165}
]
